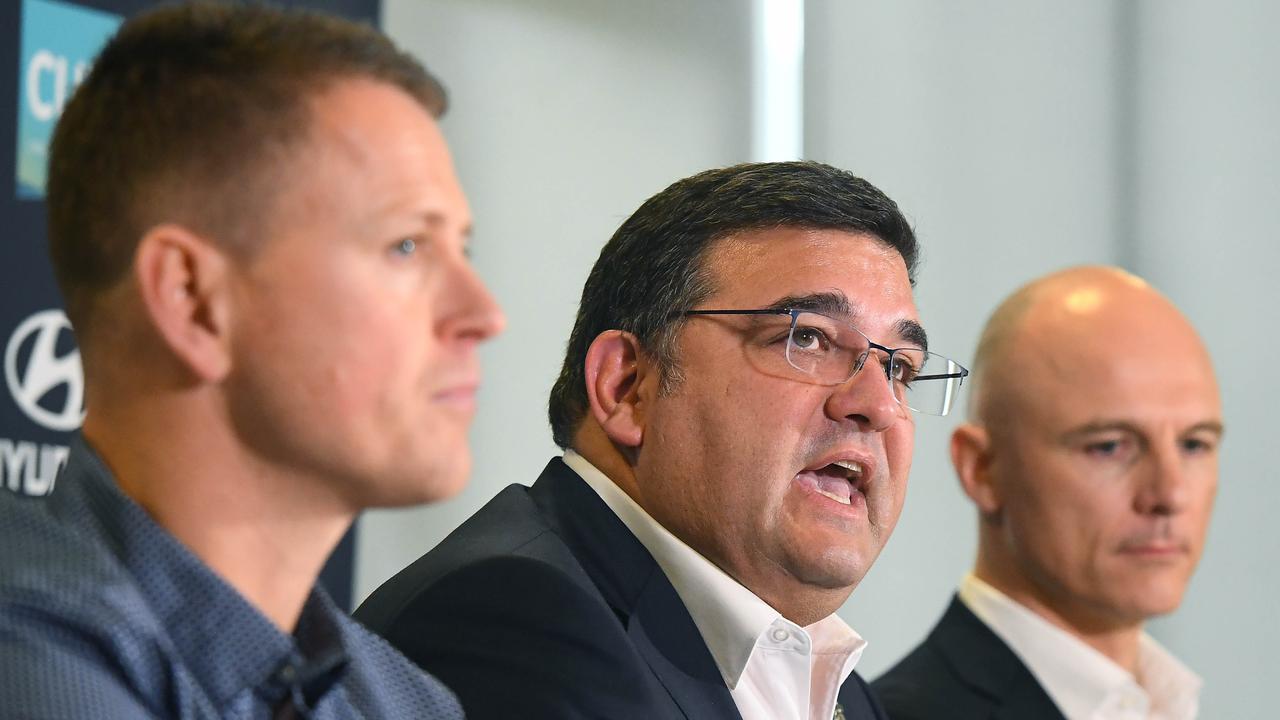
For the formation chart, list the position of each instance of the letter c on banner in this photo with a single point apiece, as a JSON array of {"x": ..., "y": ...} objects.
[{"x": 44, "y": 61}]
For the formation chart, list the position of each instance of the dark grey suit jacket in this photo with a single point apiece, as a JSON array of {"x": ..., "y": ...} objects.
[
  {"x": 544, "y": 605},
  {"x": 963, "y": 670}
]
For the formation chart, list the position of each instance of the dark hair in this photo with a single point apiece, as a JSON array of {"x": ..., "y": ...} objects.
[
  {"x": 652, "y": 267},
  {"x": 191, "y": 114}
]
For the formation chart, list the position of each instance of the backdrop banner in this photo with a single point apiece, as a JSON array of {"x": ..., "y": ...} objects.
[{"x": 48, "y": 46}]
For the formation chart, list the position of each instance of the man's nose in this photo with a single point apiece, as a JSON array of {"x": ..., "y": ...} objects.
[
  {"x": 476, "y": 314},
  {"x": 1162, "y": 486},
  {"x": 867, "y": 398}
]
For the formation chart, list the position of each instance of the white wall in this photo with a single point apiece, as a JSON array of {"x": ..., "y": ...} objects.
[
  {"x": 991, "y": 124},
  {"x": 1020, "y": 136},
  {"x": 1025, "y": 136},
  {"x": 1207, "y": 227},
  {"x": 565, "y": 115}
]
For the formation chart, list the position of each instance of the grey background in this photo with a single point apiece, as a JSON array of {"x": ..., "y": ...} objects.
[{"x": 1020, "y": 137}]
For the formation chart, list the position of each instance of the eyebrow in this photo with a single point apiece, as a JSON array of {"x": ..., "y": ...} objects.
[
  {"x": 827, "y": 303},
  {"x": 836, "y": 304},
  {"x": 913, "y": 332},
  {"x": 1101, "y": 426},
  {"x": 434, "y": 220}
]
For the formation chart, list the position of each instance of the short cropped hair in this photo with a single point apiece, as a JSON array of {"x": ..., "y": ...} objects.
[
  {"x": 653, "y": 267},
  {"x": 190, "y": 115}
]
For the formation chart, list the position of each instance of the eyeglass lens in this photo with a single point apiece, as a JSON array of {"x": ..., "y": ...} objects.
[{"x": 832, "y": 352}]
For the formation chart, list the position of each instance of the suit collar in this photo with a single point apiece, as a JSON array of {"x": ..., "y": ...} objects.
[
  {"x": 960, "y": 637},
  {"x": 616, "y": 561},
  {"x": 634, "y": 586},
  {"x": 1080, "y": 679},
  {"x": 731, "y": 619}
]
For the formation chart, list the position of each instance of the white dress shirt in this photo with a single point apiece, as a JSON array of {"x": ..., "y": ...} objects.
[
  {"x": 1084, "y": 683},
  {"x": 774, "y": 669}
]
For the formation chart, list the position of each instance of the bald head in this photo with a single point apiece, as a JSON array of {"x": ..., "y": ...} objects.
[
  {"x": 1068, "y": 329},
  {"x": 1092, "y": 450}
]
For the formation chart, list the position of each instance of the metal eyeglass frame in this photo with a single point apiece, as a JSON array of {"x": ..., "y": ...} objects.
[{"x": 872, "y": 345}]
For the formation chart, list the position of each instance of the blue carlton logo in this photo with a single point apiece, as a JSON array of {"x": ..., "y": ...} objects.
[{"x": 59, "y": 42}]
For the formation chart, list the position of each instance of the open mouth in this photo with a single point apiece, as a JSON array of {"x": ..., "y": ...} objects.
[{"x": 838, "y": 480}]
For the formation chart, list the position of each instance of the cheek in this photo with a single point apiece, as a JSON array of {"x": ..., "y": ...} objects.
[
  {"x": 364, "y": 357},
  {"x": 733, "y": 443},
  {"x": 754, "y": 423},
  {"x": 1074, "y": 529},
  {"x": 1048, "y": 512},
  {"x": 899, "y": 446},
  {"x": 1201, "y": 508}
]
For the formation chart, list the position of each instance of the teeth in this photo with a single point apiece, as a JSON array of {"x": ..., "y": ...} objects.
[
  {"x": 833, "y": 496},
  {"x": 854, "y": 470}
]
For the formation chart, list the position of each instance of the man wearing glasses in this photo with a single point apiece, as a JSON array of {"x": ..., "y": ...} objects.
[
  {"x": 1092, "y": 457},
  {"x": 737, "y": 408}
]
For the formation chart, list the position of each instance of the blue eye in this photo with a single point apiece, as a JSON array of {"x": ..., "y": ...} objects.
[
  {"x": 405, "y": 247},
  {"x": 1105, "y": 448},
  {"x": 1196, "y": 445}
]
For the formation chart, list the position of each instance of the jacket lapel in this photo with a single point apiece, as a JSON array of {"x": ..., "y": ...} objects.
[
  {"x": 664, "y": 633},
  {"x": 631, "y": 582},
  {"x": 981, "y": 659}
]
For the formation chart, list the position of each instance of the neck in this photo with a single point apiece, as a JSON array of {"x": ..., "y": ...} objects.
[
  {"x": 1116, "y": 638},
  {"x": 808, "y": 606},
  {"x": 265, "y": 531}
]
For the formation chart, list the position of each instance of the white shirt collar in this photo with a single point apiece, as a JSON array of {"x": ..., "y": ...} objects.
[
  {"x": 730, "y": 617},
  {"x": 1084, "y": 683}
]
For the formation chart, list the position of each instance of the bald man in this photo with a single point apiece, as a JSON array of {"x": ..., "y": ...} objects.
[{"x": 1091, "y": 454}]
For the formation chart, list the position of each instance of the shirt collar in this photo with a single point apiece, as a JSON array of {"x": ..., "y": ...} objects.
[
  {"x": 730, "y": 618},
  {"x": 1083, "y": 682},
  {"x": 193, "y": 603},
  {"x": 1174, "y": 688}
]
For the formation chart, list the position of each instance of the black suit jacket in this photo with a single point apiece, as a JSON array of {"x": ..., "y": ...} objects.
[
  {"x": 544, "y": 605},
  {"x": 963, "y": 670}
]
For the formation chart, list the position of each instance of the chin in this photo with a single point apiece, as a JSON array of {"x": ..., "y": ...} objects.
[
  {"x": 435, "y": 469},
  {"x": 836, "y": 569},
  {"x": 418, "y": 484},
  {"x": 447, "y": 488},
  {"x": 1150, "y": 602},
  {"x": 443, "y": 482},
  {"x": 1157, "y": 604}
]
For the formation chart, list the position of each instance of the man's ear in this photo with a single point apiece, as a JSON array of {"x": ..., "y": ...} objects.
[
  {"x": 182, "y": 279},
  {"x": 615, "y": 369},
  {"x": 971, "y": 457}
]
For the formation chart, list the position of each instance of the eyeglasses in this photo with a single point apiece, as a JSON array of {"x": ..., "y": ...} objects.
[{"x": 816, "y": 348}]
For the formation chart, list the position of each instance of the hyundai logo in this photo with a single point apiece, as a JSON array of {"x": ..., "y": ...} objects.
[{"x": 45, "y": 371}]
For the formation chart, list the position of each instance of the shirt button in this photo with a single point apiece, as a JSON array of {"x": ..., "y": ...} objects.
[{"x": 780, "y": 635}]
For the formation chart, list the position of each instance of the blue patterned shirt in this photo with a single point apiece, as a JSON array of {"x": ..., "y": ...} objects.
[{"x": 104, "y": 614}]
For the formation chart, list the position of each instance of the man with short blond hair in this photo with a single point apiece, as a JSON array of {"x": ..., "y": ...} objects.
[
  {"x": 1092, "y": 458},
  {"x": 256, "y": 224}
]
